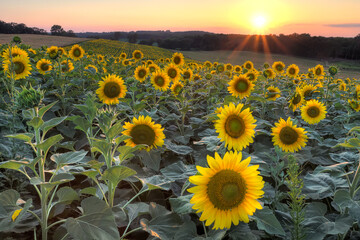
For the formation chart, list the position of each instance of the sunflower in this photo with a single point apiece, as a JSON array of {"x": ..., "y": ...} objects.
[
  {"x": 187, "y": 74},
  {"x": 53, "y": 52},
  {"x": 61, "y": 51},
  {"x": 208, "y": 76},
  {"x": 196, "y": 77},
  {"x": 229, "y": 67},
  {"x": 153, "y": 67},
  {"x": 313, "y": 112},
  {"x": 292, "y": 70},
  {"x": 160, "y": 81},
  {"x": 123, "y": 55},
  {"x": 176, "y": 87},
  {"x": 296, "y": 81},
  {"x": 220, "y": 68},
  {"x": 32, "y": 51},
  {"x": 297, "y": 100},
  {"x": 76, "y": 52},
  {"x": 44, "y": 66},
  {"x": 178, "y": 59},
  {"x": 15, "y": 51},
  {"x": 144, "y": 131},
  {"x": 354, "y": 104},
  {"x": 227, "y": 191},
  {"x": 248, "y": 65},
  {"x": 287, "y": 136},
  {"x": 215, "y": 64},
  {"x": 100, "y": 58},
  {"x": 272, "y": 93},
  {"x": 269, "y": 73},
  {"x": 126, "y": 62},
  {"x": 235, "y": 126},
  {"x": 342, "y": 87},
  {"x": 318, "y": 71},
  {"x": 279, "y": 67},
  {"x": 111, "y": 89},
  {"x": 141, "y": 72},
  {"x": 90, "y": 66},
  {"x": 19, "y": 67},
  {"x": 207, "y": 64},
  {"x": 307, "y": 91},
  {"x": 67, "y": 66},
  {"x": 252, "y": 75},
  {"x": 173, "y": 72},
  {"x": 237, "y": 69},
  {"x": 240, "y": 86},
  {"x": 137, "y": 55}
]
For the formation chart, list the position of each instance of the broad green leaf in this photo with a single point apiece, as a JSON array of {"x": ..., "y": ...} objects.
[
  {"x": 26, "y": 137},
  {"x": 46, "y": 126},
  {"x": 179, "y": 149},
  {"x": 49, "y": 142},
  {"x": 12, "y": 164},
  {"x": 43, "y": 110},
  {"x": 117, "y": 173},
  {"x": 9, "y": 198},
  {"x": 68, "y": 158},
  {"x": 186, "y": 231},
  {"x": 36, "y": 122},
  {"x": 181, "y": 205},
  {"x": 115, "y": 130},
  {"x": 100, "y": 145},
  {"x": 88, "y": 190},
  {"x": 122, "y": 138},
  {"x": 266, "y": 220},
  {"x": 126, "y": 151},
  {"x": 90, "y": 173},
  {"x": 12, "y": 216},
  {"x": 157, "y": 182},
  {"x": 134, "y": 210},
  {"x": 67, "y": 195},
  {"x": 178, "y": 171}
]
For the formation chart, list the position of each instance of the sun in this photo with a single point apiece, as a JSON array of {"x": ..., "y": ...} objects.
[{"x": 259, "y": 21}]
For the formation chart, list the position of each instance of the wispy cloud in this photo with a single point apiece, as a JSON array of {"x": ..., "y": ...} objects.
[{"x": 345, "y": 25}]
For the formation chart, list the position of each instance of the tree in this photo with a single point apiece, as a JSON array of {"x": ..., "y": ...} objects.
[
  {"x": 57, "y": 30},
  {"x": 132, "y": 37}
]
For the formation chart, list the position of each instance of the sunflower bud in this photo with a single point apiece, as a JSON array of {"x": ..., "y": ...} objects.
[
  {"x": 16, "y": 39},
  {"x": 29, "y": 98},
  {"x": 333, "y": 70}
]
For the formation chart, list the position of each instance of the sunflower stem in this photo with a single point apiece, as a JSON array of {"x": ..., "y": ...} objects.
[
  {"x": 353, "y": 188},
  {"x": 204, "y": 229}
]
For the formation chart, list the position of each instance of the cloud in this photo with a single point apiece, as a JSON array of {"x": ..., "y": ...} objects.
[{"x": 345, "y": 25}]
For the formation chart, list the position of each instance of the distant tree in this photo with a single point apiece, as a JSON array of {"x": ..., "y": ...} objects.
[
  {"x": 132, "y": 37},
  {"x": 57, "y": 30},
  {"x": 70, "y": 33}
]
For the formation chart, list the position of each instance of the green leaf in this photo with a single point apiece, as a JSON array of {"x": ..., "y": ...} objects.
[
  {"x": 97, "y": 222},
  {"x": 36, "y": 122},
  {"x": 81, "y": 123},
  {"x": 266, "y": 220},
  {"x": 68, "y": 158},
  {"x": 134, "y": 210},
  {"x": 43, "y": 110},
  {"x": 115, "y": 130},
  {"x": 181, "y": 205},
  {"x": 26, "y": 137},
  {"x": 51, "y": 123},
  {"x": 9, "y": 198},
  {"x": 100, "y": 145},
  {"x": 122, "y": 138},
  {"x": 117, "y": 173},
  {"x": 179, "y": 149},
  {"x": 88, "y": 190},
  {"x": 67, "y": 195},
  {"x": 178, "y": 171},
  {"x": 12, "y": 164},
  {"x": 49, "y": 142},
  {"x": 126, "y": 151}
]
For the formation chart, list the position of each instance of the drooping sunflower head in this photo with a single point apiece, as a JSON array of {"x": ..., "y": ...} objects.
[
  {"x": 297, "y": 100},
  {"x": 176, "y": 87},
  {"x": 296, "y": 81},
  {"x": 292, "y": 70},
  {"x": 313, "y": 112},
  {"x": 32, "y": 52},
  {"x": 355, "y": 105},
  {"x": 269, "y": 73},
  {"x": 248, "y": 65},
  {"x": 19, "y": 67},
  {"x": 227, "y": 191},
  {"x": 67, "y": 66},
  {"x": 237, "y": 69},
  {"x": 287, "y": 136},
  {"x": 333, "y": 70},
  {"x": 178, "y": 59},
  {"x": 111, "y": 89},
  {"x": 318, "y": 71},
  {"x": 160, "y": 81},
  {"x": 173, "y": 72},
  {"x": 279, "y": 67},
  {"x": 187, "y": 74},
  {"x": 272, "y": 93},
  {"x": 144, "y": 131},
  {"x": 76, "y": 52},
  {"x": 240, "y": 86},
  {"x": 91, "y": 68},
  {"x": 52, "y": 52},
  {"x": 44, "y": 66},
  {"x": 141, "y": 72},
  {"x": 342, "y": 87},
  {"x": 137, "y": 55},
  {"x": 307, "y": 91},
  {"x": 235, "y": 126}
]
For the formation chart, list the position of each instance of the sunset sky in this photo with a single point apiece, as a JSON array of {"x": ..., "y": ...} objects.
[{"x": 317, "y": 17}]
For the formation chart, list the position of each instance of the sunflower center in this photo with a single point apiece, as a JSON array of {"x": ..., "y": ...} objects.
[
  {"x": 318, "y": 71},
  {"x": 44, "y": 67},
  {"x": 296, "y": 99},
  {"x": 159, "y": 80},
  {"x": 172, "y": 73},
  {"x": 313, "y": 111},
  {"x": 177, "y": 60},
  {"x": 272, "y": 93},
  {"x": 137, "y": 55},
  {"x": 226, "y": 189},
  {"x": 112, "y": 89},
  {"x": 248, "y": 66},
  {"x": 228, "y": 67},
  {"x": 308, "y": 93},
  {"x": 241, "y": 86},
  {"x": 288, "y": 135},
  {"x": 177, "y": 89},
  {"x": 251, "y": 76},
  {"x": 234, "y": 126},
  {"x": 142, "y": 73},
  {"x": 237, "y": 69},
  {"x": 143, "y": 134},
  {"x": 77, "y": 52},
  {"x": 279, "y": 68},
  {"x": 19, "y": 67},
  {"x": 221, "y": 68},
  {"x": 292, "y": 71},
  {"x": 186, "y": 75}
]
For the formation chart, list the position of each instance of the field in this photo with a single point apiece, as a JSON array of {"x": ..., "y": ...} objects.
[
  {"x": 112, "y": 140},
  {"x": 37, "y": 41}
]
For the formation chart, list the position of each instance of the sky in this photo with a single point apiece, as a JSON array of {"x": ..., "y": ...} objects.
[{"x": 336, "y": 18}]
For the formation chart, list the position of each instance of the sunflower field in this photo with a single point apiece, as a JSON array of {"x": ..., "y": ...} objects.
[{"x": 108, "y": 140}]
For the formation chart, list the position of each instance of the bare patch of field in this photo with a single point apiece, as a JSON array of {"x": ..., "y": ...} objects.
[
  {"x": 36, "y": 41},
  {"x": 347, "y": 68}
]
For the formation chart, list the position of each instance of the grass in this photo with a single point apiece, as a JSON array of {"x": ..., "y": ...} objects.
[
  {"x": 347, "y": 68},
  {"x": 36, "y": 41}
]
